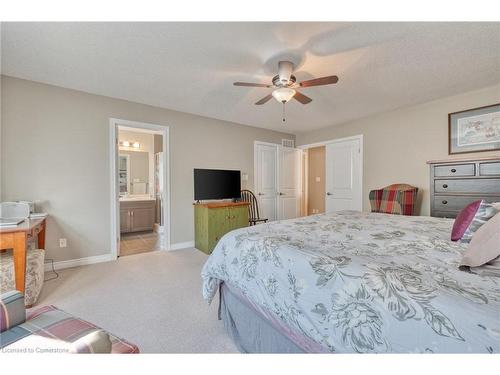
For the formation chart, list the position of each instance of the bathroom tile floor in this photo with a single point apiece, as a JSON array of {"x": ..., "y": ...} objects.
[{"x": 140, "y": 242}]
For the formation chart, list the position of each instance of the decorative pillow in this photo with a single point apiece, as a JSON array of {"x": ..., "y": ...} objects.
[
  {"x": 463, "y": 220},
  {"x": 485, "y": 244},
  {"x": 484, "y": 213},
  {"x": 94, "y": 342}
]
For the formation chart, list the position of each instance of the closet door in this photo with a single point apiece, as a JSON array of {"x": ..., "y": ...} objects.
[
  {"x": 266, "y": 180},
  {"x": 343, "y": 176},
  {"x": 289, "y": 182}
]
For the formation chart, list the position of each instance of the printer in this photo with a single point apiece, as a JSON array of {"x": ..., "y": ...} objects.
[{"x": 13, "y": 213}]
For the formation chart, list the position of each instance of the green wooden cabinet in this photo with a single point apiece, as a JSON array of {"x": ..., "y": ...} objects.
[{"x": 214, "y": 220}]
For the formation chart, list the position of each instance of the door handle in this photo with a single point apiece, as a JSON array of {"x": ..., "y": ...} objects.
[
  {"x": 260, "y": 194},
  {"x": 280, "y": 193},
  {"x": 445, "y": 186},
  {"x": 328, "y": 193}
]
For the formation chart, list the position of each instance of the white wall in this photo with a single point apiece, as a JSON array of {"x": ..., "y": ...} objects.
[
  {"x": 55, "y": 148},
  {"x": 397, "y": 144}
]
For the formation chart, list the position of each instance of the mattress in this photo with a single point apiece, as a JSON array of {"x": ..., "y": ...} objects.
[{"x": 355, "y": 282}]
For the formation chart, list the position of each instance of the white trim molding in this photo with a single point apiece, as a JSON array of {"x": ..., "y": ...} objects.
[
  {"x": 324, "y": 143},
  {"x": 114, "y": 124},
  {"x": 181, "y": 245},
  {"x": 79, "y": 262},
  {"x": 361, "y": 151}
]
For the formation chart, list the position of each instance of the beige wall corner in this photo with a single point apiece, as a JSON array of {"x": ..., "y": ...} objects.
[{"x": 316, "y": 180}]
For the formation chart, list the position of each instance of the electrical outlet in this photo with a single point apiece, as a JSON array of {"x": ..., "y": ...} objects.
[{"x": 63, "y": 242}]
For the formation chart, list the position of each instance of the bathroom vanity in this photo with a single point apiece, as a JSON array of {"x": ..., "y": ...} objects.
[{"x": 137, "y": 214}]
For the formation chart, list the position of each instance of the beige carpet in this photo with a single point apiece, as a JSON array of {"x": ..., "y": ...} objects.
[{"x": 152, "y": 299}]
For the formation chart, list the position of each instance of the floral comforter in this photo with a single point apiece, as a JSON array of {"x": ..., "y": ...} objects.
[{"x": 362, "y": 282}]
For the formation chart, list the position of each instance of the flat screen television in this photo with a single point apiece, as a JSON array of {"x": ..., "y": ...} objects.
[{"x": 216, "y": 184}]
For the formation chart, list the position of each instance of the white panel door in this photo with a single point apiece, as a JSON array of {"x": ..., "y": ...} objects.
[
  {"x": 266, "y": 180},
  {"x": 289, "y": 182},
  {"x": 343, "y": 176}
]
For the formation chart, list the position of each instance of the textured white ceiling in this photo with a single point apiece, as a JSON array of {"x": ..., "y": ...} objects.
[{"x": 190, "y": 67}]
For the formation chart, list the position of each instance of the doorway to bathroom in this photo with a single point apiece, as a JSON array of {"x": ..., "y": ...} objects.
[{"x": 140, "y": 205}]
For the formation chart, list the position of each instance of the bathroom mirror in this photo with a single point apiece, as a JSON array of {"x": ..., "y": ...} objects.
[{"x": 133, "y": 172}]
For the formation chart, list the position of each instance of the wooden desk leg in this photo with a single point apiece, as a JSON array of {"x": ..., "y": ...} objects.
[
  {"x": 19, "y": 253},
  {"x": 41, "y": 237}
]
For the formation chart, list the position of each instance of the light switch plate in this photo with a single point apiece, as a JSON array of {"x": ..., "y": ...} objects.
[
  {"x": 63, "y": 242},
  {"x": 318, "y": 179}
]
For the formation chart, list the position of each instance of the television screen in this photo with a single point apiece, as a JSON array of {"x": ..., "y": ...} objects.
[{"x": 216, "y": 184}]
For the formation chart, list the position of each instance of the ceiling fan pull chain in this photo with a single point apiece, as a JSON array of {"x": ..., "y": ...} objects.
[{"x": 284, "y": 111}]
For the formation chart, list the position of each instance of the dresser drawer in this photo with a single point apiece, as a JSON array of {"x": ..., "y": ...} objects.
[
  {"x": 455, "y": 170},
  {"x": 489, "y": 169},
  {"x": 469, "y": 186},
  {"x": 445, "y": 214},
  {"x": 453, "y": 203}
]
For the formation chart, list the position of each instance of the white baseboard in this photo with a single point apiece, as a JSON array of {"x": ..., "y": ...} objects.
[
  {"x": 104, "y": 258},
  {"x": 78, "y": 262},
  {"x": 159, "y": 228},
  {"x": 181, "y": 245}
]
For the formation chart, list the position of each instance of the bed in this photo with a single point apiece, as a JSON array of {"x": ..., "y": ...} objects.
[{"x": 352, "y": 282}]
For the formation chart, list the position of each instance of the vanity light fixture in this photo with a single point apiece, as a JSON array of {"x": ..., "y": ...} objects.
[{"x": 130, "y": 144}]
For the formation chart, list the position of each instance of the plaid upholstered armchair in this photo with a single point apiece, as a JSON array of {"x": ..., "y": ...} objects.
[{"x": 398, "y": 199}]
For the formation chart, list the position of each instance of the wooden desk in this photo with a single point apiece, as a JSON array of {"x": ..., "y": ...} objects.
[{"x": 16, "y": 238}]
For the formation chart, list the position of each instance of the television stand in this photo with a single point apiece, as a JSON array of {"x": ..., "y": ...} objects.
[{"x": 212, "y": 220}]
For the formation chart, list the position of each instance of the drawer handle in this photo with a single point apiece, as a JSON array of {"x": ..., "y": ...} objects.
[
  {"x": 445, "y": 186},
  {"x": 453, "y": 170},
  {"x": 445, "y": 202}
]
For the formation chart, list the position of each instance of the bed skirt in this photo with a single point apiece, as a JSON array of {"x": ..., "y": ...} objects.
[{"x": 250, "y": 330}]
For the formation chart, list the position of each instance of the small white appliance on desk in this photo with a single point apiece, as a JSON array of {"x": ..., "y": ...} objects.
[{"x": 14, "y": 213}]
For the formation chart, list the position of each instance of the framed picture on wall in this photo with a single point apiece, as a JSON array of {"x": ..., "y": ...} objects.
[{"x": 474, "y": 130}]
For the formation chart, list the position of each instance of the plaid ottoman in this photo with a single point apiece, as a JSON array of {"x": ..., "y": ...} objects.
[{"x": 48, "y": 329}]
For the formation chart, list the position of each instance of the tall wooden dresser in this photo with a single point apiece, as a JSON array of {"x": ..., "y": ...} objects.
[
  {"x": 213, "y": 220},
  {"x": 456, "y": 183}
]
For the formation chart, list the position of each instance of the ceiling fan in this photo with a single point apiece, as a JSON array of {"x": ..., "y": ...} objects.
[{"x": 285, "y": 86}]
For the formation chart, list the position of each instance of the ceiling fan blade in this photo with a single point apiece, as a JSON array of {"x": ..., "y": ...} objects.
[
  {"x": 249, "y": 84},
  {"x": 264, "y": 100},
  {"x": 302, "y": 98},
  {"x": 319, "y": 81}
]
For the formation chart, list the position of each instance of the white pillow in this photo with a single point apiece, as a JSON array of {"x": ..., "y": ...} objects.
[{"x": 485, "y": 244}]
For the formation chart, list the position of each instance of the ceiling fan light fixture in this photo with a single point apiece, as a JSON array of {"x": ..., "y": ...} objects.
[{"x": 283, "y": 94}]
